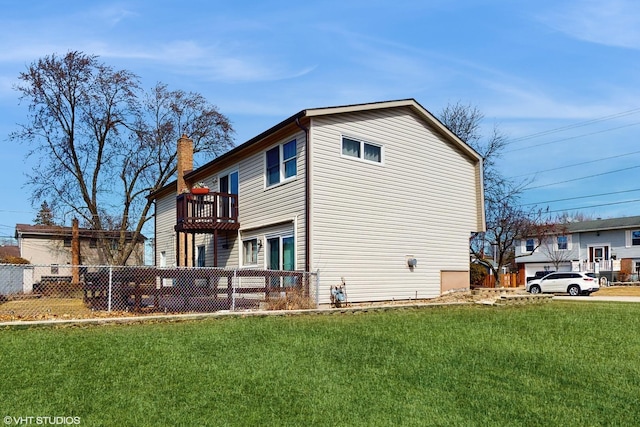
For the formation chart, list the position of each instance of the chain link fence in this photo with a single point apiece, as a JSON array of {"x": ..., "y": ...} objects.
[{"x": 38, "y": 292}]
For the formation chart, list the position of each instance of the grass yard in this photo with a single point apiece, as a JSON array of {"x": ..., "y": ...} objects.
[{"x": 557, "y": 364}]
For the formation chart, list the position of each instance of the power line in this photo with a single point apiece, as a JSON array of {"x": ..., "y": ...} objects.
[
  {"x": 8, "y": 211},
  {"x": 584, "y": 177},
  {"x": 580, "y": 197},
  {"x": 575, "y": 125},
  {"x": 572, "y": 137},
  {"x": 595, "y": 206},
  {"x": 577, "y": 164}
]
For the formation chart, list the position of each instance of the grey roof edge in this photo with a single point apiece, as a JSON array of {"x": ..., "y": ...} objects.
[{"x": 604, "y": 224}]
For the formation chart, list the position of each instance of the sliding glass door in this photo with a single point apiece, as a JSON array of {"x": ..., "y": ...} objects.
[{"x": 281, "y": 256}]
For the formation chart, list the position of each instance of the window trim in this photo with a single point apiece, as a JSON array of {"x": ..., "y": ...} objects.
[
  {"x": 526, "y": 245},
  {"x": 281, "y": 237},
  {"x": 282, "y": 162},
  {"x": 361, "y": 154},
  {"x": 565, "y": 244},
  {"x": 201, "y": 256},
  {"x": 246, "y": 263}
]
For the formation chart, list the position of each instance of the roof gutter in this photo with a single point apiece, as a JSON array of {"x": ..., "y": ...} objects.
[{"x": 307, "y": 196}]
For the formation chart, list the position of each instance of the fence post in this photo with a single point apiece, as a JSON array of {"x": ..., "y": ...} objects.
[
  {"x": 110, "y": 293},
  {"x": 233, "y": 289},
  {"x": 317, "y": 289}
]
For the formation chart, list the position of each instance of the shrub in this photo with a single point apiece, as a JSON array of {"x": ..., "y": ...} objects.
[
  {"x": 477, "y": 275},
  {"x": 626, "y": 270},
  {"x": 10, "y": 259},
  {"x": 293, "y": 300}
]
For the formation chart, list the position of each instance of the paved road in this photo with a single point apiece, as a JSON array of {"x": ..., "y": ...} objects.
[{"x": 595, "y": 297}]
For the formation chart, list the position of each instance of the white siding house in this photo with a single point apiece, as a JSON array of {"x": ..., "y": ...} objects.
[
  {"x": 605, "y": 246},
  {"x": 357, "y": 193}
]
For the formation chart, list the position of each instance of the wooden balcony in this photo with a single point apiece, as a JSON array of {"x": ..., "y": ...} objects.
[{"x": 207, "y": 213}]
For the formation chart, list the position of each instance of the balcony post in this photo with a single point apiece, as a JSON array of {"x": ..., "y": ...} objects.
[{"x": 215, "y": 247}]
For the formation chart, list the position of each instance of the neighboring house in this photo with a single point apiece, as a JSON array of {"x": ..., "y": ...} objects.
[
  {"x": 601, "y": 246},
  {"x": 380, "y": 195},
  {"x": 52, "y": 245},
  {"x": 9, "y": 251}
]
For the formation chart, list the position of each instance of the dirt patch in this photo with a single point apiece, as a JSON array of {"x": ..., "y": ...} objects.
[{"x": 449, "y": 298}]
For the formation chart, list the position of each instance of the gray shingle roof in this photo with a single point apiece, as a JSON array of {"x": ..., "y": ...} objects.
[{"x": 604, "y": 224}]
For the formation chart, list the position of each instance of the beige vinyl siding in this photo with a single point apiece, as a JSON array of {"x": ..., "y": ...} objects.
[
  {"x": 261, "y": 206},
  {"x": 280, "y": 230},
  {"x": 165, "y": 232},
  {"x": 45, "y": 251},
  {"x": 368, "y": 218}
]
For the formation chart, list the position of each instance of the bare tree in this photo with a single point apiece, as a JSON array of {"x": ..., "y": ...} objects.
[
  {"x": 104, "y": 144},
  {"x": 556, "y": 256},
  {"x": 550, "y": 242},
  {"x": 506, "y": 220}
]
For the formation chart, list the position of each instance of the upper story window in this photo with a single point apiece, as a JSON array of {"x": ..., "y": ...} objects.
[
  {"x": 635, "y": 238},
  {"x": 563, "y": 243},
  {"x": 530, "y": 245},
  {"x": 362, "y": 150},
  {"x": 281, "y": 163}
]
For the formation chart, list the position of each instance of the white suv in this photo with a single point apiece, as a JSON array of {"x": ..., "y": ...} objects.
[{"x": 573, "y": 282}]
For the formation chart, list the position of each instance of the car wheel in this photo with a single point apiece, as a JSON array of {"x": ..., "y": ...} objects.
[
  {"x": 534, "y": 289},
  {"x": 574, "y": 290}
]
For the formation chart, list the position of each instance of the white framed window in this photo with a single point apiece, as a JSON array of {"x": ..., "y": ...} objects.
[
  {"x": 250, "y": 252},
  {"x": 530, "y": 245},
  {"x": 281, "y": 163},
  {"x": 562, "y": 242},
  {"x": 356, "y": 148},
  {"x": 635, "y": 238}
]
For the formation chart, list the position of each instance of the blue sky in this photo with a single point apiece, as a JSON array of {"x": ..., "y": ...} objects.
[{"x": 560, "y": 78}]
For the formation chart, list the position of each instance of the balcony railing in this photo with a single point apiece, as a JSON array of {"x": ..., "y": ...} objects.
[
  {"x": 207, "y": 213},
  {"x": 608, "y": 265}
]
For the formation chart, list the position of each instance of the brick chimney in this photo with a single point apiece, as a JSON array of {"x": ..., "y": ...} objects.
[{"x": 185, "y": 160}]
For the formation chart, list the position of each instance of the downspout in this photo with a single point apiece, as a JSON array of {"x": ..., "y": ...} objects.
[{"x": 307, "y": 196}]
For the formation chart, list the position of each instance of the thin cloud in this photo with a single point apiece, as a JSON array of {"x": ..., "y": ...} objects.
[
  {"x": 611, "y": 23},
  {"x": 113, "y": 14}
]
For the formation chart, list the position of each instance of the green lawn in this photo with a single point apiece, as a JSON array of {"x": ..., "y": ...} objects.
[{"x": 561, "y": 363}]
